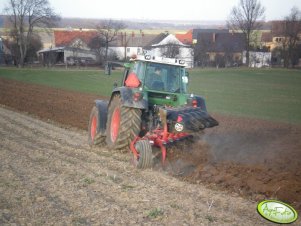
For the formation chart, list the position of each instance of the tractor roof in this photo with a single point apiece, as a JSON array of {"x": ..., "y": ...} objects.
[{"x": 161, "y": 60}]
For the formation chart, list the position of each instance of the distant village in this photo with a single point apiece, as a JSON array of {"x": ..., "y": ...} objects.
[{"x": 199, "y": 47}]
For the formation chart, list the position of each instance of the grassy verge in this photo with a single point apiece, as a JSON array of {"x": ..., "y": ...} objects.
[
  {"x": 86, "y": 81},
  {"x": 273, "y": 94}
]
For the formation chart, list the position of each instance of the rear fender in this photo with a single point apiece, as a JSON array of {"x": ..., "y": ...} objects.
[
  {"x": 127, "y": 99},
  {"x": 102, "y": 106}
]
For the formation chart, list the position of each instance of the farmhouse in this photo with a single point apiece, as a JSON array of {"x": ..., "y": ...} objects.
[
  {"x": 221, "y": 49},
  {"x": 214, "y": 46},
  {"x": 128, "y": 44},
  {"x": 67, "y": 55},
  {"x": 167, "y": 45},
  {"x": 70, "y": 47},
  {"x": 190, "y": 37},
  {"x": 274, "y": 41},
  {"x": 73, "y": 46},
  {"x": 275, "y": 37}
]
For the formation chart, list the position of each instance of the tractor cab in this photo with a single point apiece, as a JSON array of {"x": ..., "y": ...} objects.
[{"x": 163, "y": 81}]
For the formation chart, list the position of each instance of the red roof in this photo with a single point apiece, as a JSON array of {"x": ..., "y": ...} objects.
[
  {"x": 266, "y": 37},
  {"x": 65, "y": 38},
  {"x": 185, "y": 38}
]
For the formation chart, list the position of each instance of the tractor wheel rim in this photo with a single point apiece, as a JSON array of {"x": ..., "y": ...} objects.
[
  {"x": 115, "y": 122},
  {"x": 93, "y": 127}
]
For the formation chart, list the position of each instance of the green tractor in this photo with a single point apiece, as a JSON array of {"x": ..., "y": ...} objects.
[{"x": 151, "y": 109}]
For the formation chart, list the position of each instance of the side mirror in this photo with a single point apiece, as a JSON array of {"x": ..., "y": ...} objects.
[{"x": 185, "y": 79}]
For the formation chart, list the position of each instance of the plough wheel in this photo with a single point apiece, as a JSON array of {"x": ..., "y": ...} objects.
[{"x": 145, "y": 158}]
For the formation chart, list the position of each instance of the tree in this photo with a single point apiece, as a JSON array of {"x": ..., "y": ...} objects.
[
  {"x": 97, "y": 44},
  {"x": 13, "y": 49},
  {"x": 24, "y": 16},
  {"x": 170, "y": 50},
  {"x": 76, "y": 46},
  {"x": 124, "y": 42},
  {"x": 34, "y": 45},
  {"x": 244, "y": 18},
  {"x": 201, "y": 56},
  {"x": 228, "y": 55},
  {"x": 108, "y": 32},
  {"x": 291, "y": 28}
]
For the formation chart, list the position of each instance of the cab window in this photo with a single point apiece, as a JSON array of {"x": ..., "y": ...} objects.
[{"x": 139, "y": 69}]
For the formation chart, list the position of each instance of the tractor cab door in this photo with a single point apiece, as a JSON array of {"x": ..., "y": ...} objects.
[
  {"x": 134, "y": 74},
  {"x": 125, "y": 75}
]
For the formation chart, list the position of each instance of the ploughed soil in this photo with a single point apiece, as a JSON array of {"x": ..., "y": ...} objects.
[{"x": 252, "y": 158}]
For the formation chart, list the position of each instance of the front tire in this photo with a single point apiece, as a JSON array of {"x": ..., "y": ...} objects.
[{"x": 123, "y": 124}]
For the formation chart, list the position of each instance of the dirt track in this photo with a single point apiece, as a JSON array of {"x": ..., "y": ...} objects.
[{"x": 59, "y": 176}]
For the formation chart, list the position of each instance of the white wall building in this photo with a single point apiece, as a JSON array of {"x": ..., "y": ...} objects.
[
  {"x": 185, "y": 51},
  {"x": 258, "y": 59},
  {"x": 127, "y": 52}
]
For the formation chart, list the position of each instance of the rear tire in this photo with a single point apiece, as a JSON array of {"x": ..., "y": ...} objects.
[
  {"x": 94, "y": 137},
  {"x": 145, "y": 159},
  {"x": 123, "y": 124}
]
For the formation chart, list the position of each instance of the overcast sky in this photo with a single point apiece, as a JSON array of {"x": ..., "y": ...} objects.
[{"x": 162, "y": 9}]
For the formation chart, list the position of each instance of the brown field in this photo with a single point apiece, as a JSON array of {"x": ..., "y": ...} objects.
[{"x": 49, "y": 175}]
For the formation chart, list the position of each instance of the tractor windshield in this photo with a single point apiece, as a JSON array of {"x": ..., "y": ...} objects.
[{"x": 167, "y": 78}]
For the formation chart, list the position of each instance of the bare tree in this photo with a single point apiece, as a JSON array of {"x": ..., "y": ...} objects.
[
  {"x": 108, "y": 32},
  {"x": 97, "y": 44},
  {"x": 14, "y": 51},
  {"x": 291, "y": 30},
  {"x": 76, "y": 47},
  {"x": 24, "y": 16},
  {"x": 35, "y": 44},
  {"x": 244, "y": 18},
  {"x": 201, "y": 56},
  {"x": 228, "y": 55},
  {"x": 124, "y": 42},
  {"x": 170, "y": 50}
]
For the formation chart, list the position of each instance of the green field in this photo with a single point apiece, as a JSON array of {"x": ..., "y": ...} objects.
[{"x": 273, "y": 94}]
